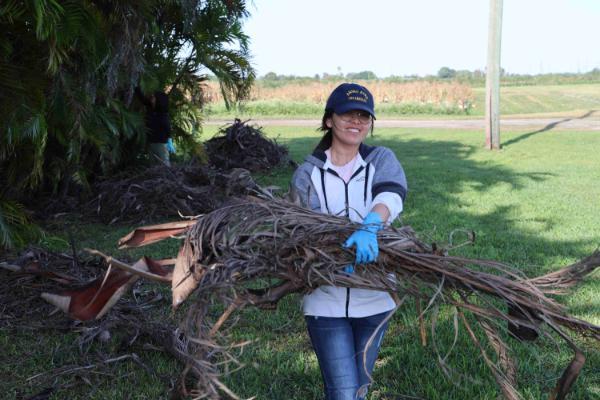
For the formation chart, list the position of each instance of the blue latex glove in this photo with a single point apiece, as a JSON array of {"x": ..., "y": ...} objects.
[
  {"x": 170, "y": 146},
  {"x": 349, "y": 269},
  {"x": 365, "y": 239}
]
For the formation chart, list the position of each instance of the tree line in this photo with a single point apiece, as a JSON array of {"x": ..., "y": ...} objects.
[{"x": 474, "y": 78}]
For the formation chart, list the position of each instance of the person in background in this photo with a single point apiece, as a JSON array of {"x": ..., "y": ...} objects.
[
  {"x": 158, "y": 125},
  {"x": 365, "y": 184}
]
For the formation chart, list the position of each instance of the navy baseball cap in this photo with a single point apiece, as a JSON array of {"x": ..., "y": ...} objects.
[{"x": 350, "y": 96}]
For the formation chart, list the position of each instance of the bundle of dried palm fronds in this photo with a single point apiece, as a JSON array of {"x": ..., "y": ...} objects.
[
  {"x": 255, "y": 240},
  {"x": 240, "y": 145}
]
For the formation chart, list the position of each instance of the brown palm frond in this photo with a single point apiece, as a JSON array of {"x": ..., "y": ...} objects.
[{"x": 558, "y": 282}]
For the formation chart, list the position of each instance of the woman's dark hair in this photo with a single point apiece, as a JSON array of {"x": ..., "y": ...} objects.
[
  {"x": 327, "y": 138},
  {"x": 325, "y": 142},
  {"x": 162, "y": 102}
]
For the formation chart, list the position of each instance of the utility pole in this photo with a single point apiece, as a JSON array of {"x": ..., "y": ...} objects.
[{"x": 492, "y": 79}]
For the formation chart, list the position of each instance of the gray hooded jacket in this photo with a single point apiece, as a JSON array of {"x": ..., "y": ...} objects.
[{"x": 377, "y": 177}]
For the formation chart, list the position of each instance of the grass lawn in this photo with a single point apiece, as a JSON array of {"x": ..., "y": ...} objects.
[{"x": 534, "y": 205}]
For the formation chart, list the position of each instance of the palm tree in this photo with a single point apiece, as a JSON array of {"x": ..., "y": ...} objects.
[{"x": 67, "y": 73}]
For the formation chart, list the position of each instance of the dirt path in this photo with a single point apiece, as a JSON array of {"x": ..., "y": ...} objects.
[{"x": 588, "y": 123}]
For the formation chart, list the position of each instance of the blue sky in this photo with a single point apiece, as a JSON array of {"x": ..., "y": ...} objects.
[{"x": 404, "y": 37}]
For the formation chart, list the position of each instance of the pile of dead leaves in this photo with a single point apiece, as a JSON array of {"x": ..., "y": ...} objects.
[
  {"x": 150, "y": 194},
  {"x": 243, "y": 146},
  {"x": 160, "y": 192},
  {"x": 25, "y": 277},
  {"x": 37, "y": 283}
]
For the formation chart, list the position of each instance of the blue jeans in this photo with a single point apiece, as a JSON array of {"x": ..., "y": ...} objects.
[{"x": 339, "y": 344}]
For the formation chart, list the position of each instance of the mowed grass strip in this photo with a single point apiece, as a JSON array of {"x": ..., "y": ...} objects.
[
  {"x": 544, "y": 99},
  {"x": 533, "y": 205}
]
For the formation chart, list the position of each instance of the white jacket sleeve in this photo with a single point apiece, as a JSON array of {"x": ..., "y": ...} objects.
[{"x": 389, "y": 183}]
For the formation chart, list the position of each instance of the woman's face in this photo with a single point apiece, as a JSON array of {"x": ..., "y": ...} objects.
[{"x": 350, "y": 128}]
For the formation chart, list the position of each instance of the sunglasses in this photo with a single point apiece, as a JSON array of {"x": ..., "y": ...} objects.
[{"x": 362, "y": 117}]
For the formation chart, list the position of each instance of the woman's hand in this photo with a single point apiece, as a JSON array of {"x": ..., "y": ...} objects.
[{"x": 365, "y": 239}]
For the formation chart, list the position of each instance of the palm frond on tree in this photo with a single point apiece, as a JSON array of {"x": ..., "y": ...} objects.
[{"x": 16, "y": 229}]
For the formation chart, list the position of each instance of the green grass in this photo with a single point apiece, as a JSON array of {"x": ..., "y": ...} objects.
[
  {"x": 531, "y": 101},
  {"x": 551, "y": 99},
  {"x": 534, "y": 205}
]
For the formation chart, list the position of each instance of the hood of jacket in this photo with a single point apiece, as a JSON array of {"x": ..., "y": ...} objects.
[{"x": 318, "y": 157}]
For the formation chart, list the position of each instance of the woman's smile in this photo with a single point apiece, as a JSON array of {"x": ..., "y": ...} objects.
[{"x": 349, "y": 133}]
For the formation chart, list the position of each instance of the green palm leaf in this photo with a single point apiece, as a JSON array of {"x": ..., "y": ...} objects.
[{"x": 15, "y": 227}]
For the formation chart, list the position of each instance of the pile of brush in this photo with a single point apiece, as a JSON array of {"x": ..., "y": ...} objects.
[
  {"x": 240, "y": 145},
  {"x": 160, "y": 192},
  {"x": 254, "y": 240},
  {"x": 80, "y": 285},
  {"x": 149, "y": 194},
  {"x": 35, "y": 271}
]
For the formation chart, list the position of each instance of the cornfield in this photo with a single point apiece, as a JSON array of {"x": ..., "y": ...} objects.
[{"x": 447, "y": 95}]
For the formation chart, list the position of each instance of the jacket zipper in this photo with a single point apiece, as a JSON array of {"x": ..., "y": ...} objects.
[
  {"x": 347, "y": 300},
  {"x": 347, "y": 206},
  {"x": 347, "y": 216}
]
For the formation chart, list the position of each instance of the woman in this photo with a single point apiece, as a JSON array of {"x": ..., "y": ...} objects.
[{"x": 366, "y": 184}]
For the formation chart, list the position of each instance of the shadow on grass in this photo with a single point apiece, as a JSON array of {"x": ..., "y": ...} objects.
[{"x": 547, "y": 128}]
